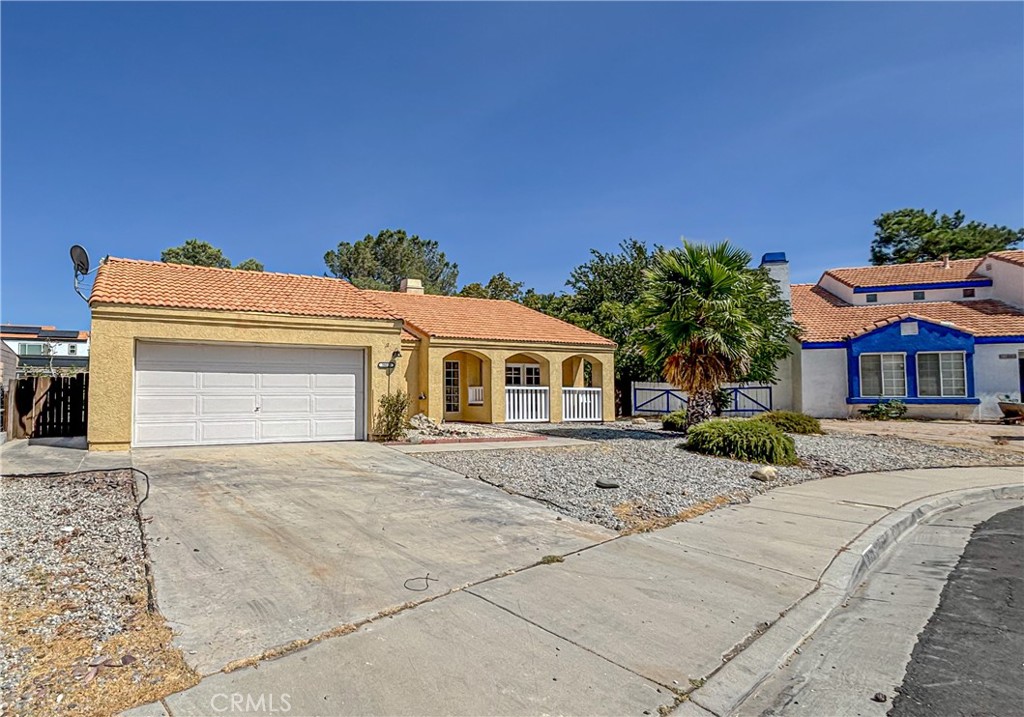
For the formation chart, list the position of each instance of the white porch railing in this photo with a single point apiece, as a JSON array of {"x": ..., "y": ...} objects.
[
  {"x": 526, "y": 404},
  {"x": 476, "y": 396},
  {"x": 581, "y": 404}
]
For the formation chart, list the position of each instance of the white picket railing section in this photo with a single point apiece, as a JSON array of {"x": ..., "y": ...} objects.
[
  {"x": 528, "y": 404},
  {"x": 476, "y": 396},
  {"x": 581, "y": 404}
]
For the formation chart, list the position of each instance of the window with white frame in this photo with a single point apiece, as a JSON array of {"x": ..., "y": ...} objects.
[
  {"x": 522, "y": 374},
  {"x": 883, "y": 375},
  {"x": 33, "y": 349},
  {"x": 451, "y": 387},
  {"x": 942, "y": 373},
  {"x": 72, "y": 349}
]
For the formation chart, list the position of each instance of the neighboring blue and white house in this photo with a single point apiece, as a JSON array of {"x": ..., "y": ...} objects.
[
  {"x": 45, "y": 346},
  {"x": 944, "y": 337}
]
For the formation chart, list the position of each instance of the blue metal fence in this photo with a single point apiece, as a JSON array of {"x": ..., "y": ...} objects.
[{"x": 744, "y": 400}]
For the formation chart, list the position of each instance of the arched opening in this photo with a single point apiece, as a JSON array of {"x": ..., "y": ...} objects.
[
  {"x": 582, "y": 392},
  {"x": 527, "y": 388},
  {"x": 466, "y": 387}
]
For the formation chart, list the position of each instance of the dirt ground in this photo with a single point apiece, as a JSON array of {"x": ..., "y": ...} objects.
[{"x": 988, "y": 436}]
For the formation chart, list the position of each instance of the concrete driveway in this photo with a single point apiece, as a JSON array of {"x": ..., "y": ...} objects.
[{"x": 254, "y": 547}]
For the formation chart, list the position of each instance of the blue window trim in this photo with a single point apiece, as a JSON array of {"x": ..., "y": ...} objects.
[
  {"x": 917, "y": 400},
  {"x": 890, "y": 339},
  {"x": 967, "y": 284},
  {"x": 999, "y": 339}
]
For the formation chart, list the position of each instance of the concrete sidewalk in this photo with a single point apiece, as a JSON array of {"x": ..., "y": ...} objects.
[{"x": 628, "y": 626}]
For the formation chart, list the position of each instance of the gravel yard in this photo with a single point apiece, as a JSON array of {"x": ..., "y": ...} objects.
[
  {"x": 661, "y": 482},
  {"x": 76, "y": 633}
]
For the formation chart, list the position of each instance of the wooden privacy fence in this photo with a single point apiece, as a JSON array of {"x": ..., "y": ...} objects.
[
  {"x": 661, "y": 398},
  {"x": 46, "y": 406}
]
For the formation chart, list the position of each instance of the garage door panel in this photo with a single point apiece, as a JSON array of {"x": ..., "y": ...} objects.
[
  {"x": 167, "y": 433},
  {"x": 325, "y": 429},
  {"x": 273, "y": 405},
  {"x": 187, "y": 394},
  {"x": 224, "y": 379},
  {"x": 233, "y": 431},
  {"x": 271, "y": 381},
  {"x": 337, "y": 382},
  {"x": 166, "y": 407},
  {"x": 166, "y": 379},
  {"x": 286, "y": 430},
  {"x": 342, "y": 404},
  {"x": 240, "y": 406}
]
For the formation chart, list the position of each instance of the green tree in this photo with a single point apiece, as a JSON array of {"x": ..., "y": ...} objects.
[
  {"x": 911, "y": 235},
  {"x": 707, "y": 322},
  {"x": 196, "y": 253},
  {"x": 606, "y": 297},
  {"x": 250, "y": 265},
  {"x": 498, "y": 287},
  {"x": 382, "y": 261},
  {"x": 202, "y": 253}
]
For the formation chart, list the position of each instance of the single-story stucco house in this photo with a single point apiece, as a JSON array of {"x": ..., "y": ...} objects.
[
  {"x": 944, "y": 337},
  {"x": 185, "y": 355}
]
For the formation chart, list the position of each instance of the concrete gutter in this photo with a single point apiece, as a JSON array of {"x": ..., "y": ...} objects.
[{"x": 727, "y": 688}]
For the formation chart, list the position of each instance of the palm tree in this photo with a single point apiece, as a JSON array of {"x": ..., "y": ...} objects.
[{"x": 702, "y": 331}]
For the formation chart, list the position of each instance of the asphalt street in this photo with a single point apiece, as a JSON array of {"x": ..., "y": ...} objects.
[{"x": 969, "y": 660}]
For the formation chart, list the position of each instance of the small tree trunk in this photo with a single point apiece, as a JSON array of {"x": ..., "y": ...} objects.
[{"x": 699, "y": 408}]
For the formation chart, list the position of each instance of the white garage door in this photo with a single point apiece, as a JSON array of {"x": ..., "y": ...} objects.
[{"x": 196, "y": 394}]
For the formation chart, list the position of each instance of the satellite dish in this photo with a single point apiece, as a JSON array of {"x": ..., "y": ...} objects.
[{"x": 80, "y": 258}]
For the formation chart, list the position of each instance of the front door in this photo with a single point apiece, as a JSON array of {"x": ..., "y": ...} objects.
[{"x": 451, "y": 387}]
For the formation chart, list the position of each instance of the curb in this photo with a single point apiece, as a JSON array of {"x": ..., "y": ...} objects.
[{"x": 727, "y": 688}]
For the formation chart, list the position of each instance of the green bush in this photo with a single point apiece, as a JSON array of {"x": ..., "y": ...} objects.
[
  {"x": 885, "y": 410},
  {"x": 792, "y": 422},
  {"x": 675, "y": 421},
  {"x": 755, "y": 441},
  {"x": 391, "y": 412}
]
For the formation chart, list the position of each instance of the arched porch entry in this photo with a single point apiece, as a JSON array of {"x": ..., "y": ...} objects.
[
  {"x": 582, "y": 392},
  {"x": 467, "y": 387},
  {"x": 527, "y": 388}
]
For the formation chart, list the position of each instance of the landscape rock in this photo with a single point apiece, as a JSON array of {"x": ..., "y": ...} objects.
[
  {"x": 765, "y": 474},
  {"x": 606, "y": 483},
  {"x": 639, "y": 421}
]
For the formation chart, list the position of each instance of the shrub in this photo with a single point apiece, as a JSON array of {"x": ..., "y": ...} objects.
[
  {"x": 391, "y": 411},
  {"x": 885, "y": 410},
  {"x": 675, "y": 421},
  {"x": 756, "y": 441},
  {"x": 792, "y": 422}
]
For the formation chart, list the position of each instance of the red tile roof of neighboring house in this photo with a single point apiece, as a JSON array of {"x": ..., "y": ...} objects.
[
  {"x": 154, "y": 283},
  {"x": 1013, "y": 256},
  {"x": 825, "y": 317},
  {"x": 928, "y": 272},
  {"x": 489, "y": 319}
]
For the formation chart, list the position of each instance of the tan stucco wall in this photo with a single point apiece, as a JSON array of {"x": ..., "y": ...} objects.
[
  {"x": 550, "y": 357},
  {"x": 116, "y": 329}
]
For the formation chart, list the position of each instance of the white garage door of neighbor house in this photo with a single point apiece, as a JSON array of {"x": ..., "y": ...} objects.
[{"x": 207, "y": 394}]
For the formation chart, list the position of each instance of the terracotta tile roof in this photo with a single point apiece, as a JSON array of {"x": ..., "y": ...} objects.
[
  {"x": 464, "y": 318},
  {"x": 154, "y": 283},
  {"x": 825, "y": 317},
  {"x": 1013, "y": 256},
  {"x": 929, "y": 272}
]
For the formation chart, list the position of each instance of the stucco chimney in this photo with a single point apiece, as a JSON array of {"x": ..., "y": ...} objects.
[
  {"x": 411, "y": 286},
  {"x": 945, "y": 261},
  {"x": 778, "y": 268}
]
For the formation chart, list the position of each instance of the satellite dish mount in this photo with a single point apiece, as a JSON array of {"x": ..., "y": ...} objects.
[{"x": 80, "y": 259}]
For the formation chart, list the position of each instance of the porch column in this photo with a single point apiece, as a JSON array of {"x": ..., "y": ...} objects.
[
  {"x": 495, "y": 392},
  {"x": 552, "y": 378},
  {"x": 607, "y": 386}
]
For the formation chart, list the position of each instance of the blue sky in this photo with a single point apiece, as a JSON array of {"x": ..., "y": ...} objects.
[{"x": 517, "y": 135}]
